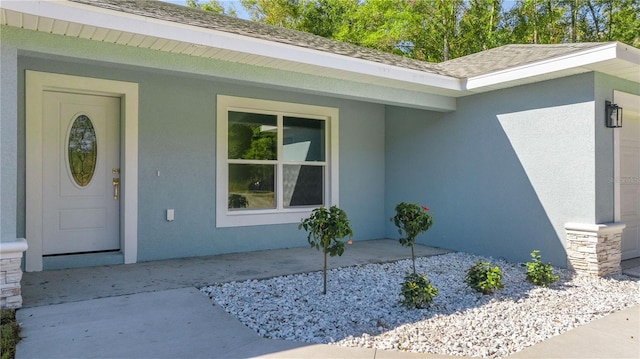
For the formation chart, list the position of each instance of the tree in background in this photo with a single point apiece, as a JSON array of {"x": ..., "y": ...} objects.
[
  {"x": 283, "y": 13},
  {"x": 439, "y": 30},
  {"x": 537, "y": 22},
  {"x": 433, "y": 28},
  {"x": 481, "y": 26},
  {"x": 623, "y": 18},
  {"x": 565, "y": 21},
  {"x": 377, "y": 24},
  {"x": 326, "y": 18},
  {"x": 211, "y": 5}
]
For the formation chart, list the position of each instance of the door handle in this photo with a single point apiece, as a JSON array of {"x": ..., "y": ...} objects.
[{"x": 116, "y": 185}]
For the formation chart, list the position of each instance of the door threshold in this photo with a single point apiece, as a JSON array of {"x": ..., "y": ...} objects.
[{"x": 79, "y": 260}]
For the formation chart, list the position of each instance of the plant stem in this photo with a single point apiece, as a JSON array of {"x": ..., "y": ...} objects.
[
  {"x": 324, "y": 291},
  {"x": 413, "y": 258}
]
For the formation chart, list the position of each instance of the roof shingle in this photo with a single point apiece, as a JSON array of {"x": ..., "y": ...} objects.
[
  {"x": 509, "y": 56},
  {"x": 209, "y": 20},
  {"x": 485, "y": 62}
]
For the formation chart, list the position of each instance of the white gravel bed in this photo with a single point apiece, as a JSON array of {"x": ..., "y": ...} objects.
[{"x": 362, "y": 309}]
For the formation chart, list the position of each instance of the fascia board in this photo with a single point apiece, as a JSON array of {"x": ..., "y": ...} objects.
[
  {"x": 584, "y": 58},
  {"x": 116, "y": 20}
]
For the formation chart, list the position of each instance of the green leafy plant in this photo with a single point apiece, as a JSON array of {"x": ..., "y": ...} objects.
[
  {"x": 238, "y": 201},
  {"x": 540, "y": 273},
  {"x": 411, "y": 220},
  {"x": 417, "y": 291},
  {"x": 325, "y": 228},
  {"x": 10, "y": 330},
  {"x": 484, "y": 278}
]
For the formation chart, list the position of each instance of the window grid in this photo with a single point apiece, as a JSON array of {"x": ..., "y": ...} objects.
[
  {"x": 324, "y": 189},
  {"x": 280, "y": 162}
]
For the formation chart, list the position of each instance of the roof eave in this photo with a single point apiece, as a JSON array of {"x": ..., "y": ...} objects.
[
  {"x": 597, "y": 59},
  {"x": 313, "y": 62},
  {"x": 197, "y": 36}
]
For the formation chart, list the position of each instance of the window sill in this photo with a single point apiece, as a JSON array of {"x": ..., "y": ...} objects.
[{"x": 261, "y": 217}]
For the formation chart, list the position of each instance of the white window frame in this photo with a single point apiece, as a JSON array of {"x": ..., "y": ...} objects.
[{"x": 253, "y": 217}]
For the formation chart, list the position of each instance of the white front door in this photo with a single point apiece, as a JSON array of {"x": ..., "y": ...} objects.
[
  {"x": 629, "y": 173},
  {"x": 80, "y": 173}
]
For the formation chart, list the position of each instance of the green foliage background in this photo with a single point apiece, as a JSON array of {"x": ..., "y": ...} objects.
[{"x": 440, "y": 30}]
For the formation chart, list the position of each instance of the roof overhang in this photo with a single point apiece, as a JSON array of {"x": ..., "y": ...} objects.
[
  {"x": 95, "y": 23},
  {"x": 613, "y": 58},
  {"x": 379, "y": 82}
]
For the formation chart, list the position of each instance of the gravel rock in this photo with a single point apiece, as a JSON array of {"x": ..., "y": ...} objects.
[{"x": 362, "y": 307}]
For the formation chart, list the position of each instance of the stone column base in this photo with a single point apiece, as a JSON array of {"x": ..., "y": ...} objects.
[
  {"x": 594, "y": 249},
  {"x": 11, "y": 273}
]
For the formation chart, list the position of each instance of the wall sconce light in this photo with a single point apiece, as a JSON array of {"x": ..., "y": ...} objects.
[{"x": 612, "y": 115}]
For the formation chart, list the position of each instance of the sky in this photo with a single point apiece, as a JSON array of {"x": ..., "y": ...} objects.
[{"x": 234, "y": 4}]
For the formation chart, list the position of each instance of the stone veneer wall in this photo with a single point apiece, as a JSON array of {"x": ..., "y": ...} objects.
[
  {"x": 594, "y": 249},
  {"x": 11, "y": 273}
]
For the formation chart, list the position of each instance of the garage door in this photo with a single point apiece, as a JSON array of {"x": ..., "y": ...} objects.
[{"x": 628, "y": 176}]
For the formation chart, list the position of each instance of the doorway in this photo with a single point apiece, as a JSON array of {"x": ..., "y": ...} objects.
[
  {"x": 81, "y": 166},
  {"x": 627, "y": 173}
]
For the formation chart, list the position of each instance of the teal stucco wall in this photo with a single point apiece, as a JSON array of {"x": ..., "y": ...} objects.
[
  {"x": 8, "y": 142},
  {"x": 604, "y": 88},
  {"x": 503, "y": 173},
  {"x": 177, "y": 137}
]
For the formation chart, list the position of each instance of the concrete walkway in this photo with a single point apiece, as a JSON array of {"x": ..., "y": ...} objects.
[
  {"x": 71, "y": 285},
  {"x": 153, "y": 310}
]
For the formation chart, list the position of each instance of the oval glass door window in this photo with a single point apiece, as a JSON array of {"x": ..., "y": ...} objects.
[{"x": 82, "y": 150}]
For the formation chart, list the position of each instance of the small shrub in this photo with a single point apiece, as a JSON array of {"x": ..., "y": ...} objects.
[
  {"x": 417, "y": 291},
  {"x": 539, "y": 273},
  {"x": 411, "y": 220},
  {"x": 483, "y": 278},
  {"x": 325, "y": 228},
  {"x": 10, "y": 333},
  {"x": 238, "y": 201}
]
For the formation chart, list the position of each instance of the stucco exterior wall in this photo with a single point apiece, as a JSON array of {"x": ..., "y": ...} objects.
[
  {"x": 8, "y": 142},
  {"x": 177, "y": 137},
  {"x": 604, "y": 87},
  {"x": 502, "y": 174}
]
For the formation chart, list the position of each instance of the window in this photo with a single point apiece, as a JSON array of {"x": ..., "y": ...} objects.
[
  {"x": 276, "y": 161},
  {"x": 82, "y": 150}
]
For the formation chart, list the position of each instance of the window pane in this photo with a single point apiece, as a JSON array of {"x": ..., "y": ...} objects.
[
  {"x": 252, "y": 136},
  {"x": 303, "y": 185},
  {"x": 82, "y": 150},
  {"x": 304, "y": 139},
  {"x": 251, "y": 186}
]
